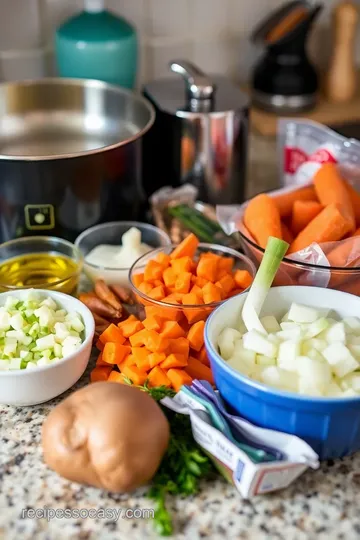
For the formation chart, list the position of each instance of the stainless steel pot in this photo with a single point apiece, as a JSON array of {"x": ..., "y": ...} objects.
[
  {"x": 200, "y": 135},
  {"x": 70, "y": 156}
]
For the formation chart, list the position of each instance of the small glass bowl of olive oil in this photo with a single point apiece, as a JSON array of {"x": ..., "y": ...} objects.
[{"x": 40, "y": 262}]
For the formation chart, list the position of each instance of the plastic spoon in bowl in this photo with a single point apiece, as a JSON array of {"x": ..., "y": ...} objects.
[{"x": 274, "y": 254}]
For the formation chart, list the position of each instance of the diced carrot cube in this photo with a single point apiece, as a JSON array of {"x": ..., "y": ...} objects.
[
  {"x": 158, "y": 283},
  {"x": 169, "y": 277},
  {"x": 115, "y": 353},
  {"x": 207, "y": 268},
  {"x": 172, "y": 329},
  {"x": 158, "y": 377},
  {"x": 243, "y": 279},
  {"x": 187, "y": 248},
  {"x": 131, "y": 328},
  {"x": 196, "y": 290},
  {"x": 145, "y": 287},
  {"x": 182, "y": 265},
  {"x": 203, "y": 357},
  {"x": 226, "y": 263},
  {"x": 226, "y": 283},
  {"x": 179, "y": 346},
  {"x": 117, "y": 377},
  {"x": 156, "y": 358},
  {"x": 163, "y": 259},
  {"x": 157, "y": 293},
  {"x": 197, "y": 370},
  {"x": 138, "y": 339},
  {"x": 174, "y": 361},
  {"x": 129, "y": 319},
  {"x": 137, "y": 279},
  {"x": 183, "y": 283},
  {"x": 129, "y": 361},
  {"x": 153, "y": 270},
  {"x": 112, "y": 334},
  {"x": 100, "y": 373},
  {"x": 200, "y": 281},
  {"x": 196, "y": 335},
  {"x": 211, "y": 293},
  {"x": 191, "y": 299},
  {"x": 141, "y": 356},
  {"x": 134, "y": 374},
  {"x": 154, "y": 322},
  {"x": 178, "y": 378}
]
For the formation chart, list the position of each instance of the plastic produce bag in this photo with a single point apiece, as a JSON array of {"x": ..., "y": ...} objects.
[{"x": 304, "y": 147}]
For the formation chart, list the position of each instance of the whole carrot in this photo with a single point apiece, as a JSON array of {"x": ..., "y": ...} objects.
[
  {"x": 285, "y": 201},
  {"x": 303, "y": 213},
  {"x": 262, "y": 219},
  {"x": 331, "y": 188},
  {"x": 328, "y": 226},
  {"x": 105, "y": 294},
  {"x": 286, "y": 233},
  {"x": 96, "y": 305},
  {"x": 355, "y": 200}
]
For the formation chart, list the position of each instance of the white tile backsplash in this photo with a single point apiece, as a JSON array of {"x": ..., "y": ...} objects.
[
  {"x": 213, "y": 33},
  {"x": 19, "y": 24},
  {"x": 170, "y": 18}
]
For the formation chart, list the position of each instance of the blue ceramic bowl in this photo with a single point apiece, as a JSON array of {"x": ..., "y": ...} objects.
[{"x": 330, "y": 425}]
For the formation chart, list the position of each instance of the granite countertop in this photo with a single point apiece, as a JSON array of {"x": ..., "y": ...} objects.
[{"x": 322, "y": 504}]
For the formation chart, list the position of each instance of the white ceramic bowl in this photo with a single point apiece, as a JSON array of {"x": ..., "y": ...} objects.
[{"x": 37, "y": 385}]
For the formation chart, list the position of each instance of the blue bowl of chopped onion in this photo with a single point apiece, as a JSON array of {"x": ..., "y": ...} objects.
[
  {"x": 302, "y": 375},
  {"x": 45, "y": 344}
]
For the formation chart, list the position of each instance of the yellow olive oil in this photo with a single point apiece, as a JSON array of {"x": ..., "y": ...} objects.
[{"x": 40, "y": 270}]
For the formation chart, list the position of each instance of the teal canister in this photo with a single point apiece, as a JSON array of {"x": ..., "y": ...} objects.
[{"x": 96, "y": 44}]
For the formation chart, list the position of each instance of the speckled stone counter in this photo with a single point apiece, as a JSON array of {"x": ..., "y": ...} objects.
[{"x": 321, "y": 505}]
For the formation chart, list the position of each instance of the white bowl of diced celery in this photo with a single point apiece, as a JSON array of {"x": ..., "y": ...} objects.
[{"x": 45, "y": 344}]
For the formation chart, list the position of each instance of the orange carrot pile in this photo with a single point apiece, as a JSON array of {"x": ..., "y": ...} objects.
[
  {"x": 326, "y": 211},
  {"x": 167, "y": 346},
  {"x": 262, "y": 218},
  {"x": 183, "y": 279},
  {"x": 167, "y": 354}
]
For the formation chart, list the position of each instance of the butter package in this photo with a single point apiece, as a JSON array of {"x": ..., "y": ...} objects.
[{"x": 249, "y": 477}]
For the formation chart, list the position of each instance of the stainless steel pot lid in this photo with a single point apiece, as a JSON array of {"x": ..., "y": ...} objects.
[{"x": 66, "y": 118}]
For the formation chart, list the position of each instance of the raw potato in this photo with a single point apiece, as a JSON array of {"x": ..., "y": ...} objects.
[{"x": 106, "y": 435}]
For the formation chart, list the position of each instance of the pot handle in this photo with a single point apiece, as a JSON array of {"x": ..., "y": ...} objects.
[{"x": 199, "y": 86}]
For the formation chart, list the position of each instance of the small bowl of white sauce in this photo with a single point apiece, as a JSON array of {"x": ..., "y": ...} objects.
[{"x": 110, "y": 249}]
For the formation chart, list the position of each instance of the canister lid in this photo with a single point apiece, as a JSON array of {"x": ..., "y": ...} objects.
[{"x": 195, "y": 92}]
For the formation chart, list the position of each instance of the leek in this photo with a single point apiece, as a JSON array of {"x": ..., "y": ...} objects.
[{"x": 274, "y": 253}]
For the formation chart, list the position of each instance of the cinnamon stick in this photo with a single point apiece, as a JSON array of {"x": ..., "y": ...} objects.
[
  {"x": 98, "y": 306},
  {"x": 123, "y": 293},
  {"x": 105, "y": 294}
]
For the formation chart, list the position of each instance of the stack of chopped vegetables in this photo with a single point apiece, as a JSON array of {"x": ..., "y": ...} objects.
[{"x": 167, "y": 347}]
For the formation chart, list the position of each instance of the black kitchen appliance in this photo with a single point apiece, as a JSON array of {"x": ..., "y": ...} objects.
[{"x": 284, "y": 80}]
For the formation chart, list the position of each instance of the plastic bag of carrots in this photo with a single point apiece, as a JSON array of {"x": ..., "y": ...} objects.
[{"x": 320, "y": 221}]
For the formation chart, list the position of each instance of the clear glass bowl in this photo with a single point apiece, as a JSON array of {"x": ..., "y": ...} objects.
[
  {"x": 296, "y": 273},
  {"x": 191, "y": 312},
  {"x": 40, "y": 262},
  {"x": 110, "y": 233}
]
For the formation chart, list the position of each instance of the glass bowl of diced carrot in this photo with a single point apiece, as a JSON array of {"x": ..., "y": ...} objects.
[
  {"x": 326, "y": 213},
  {"x": 178, "y": 287}
]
